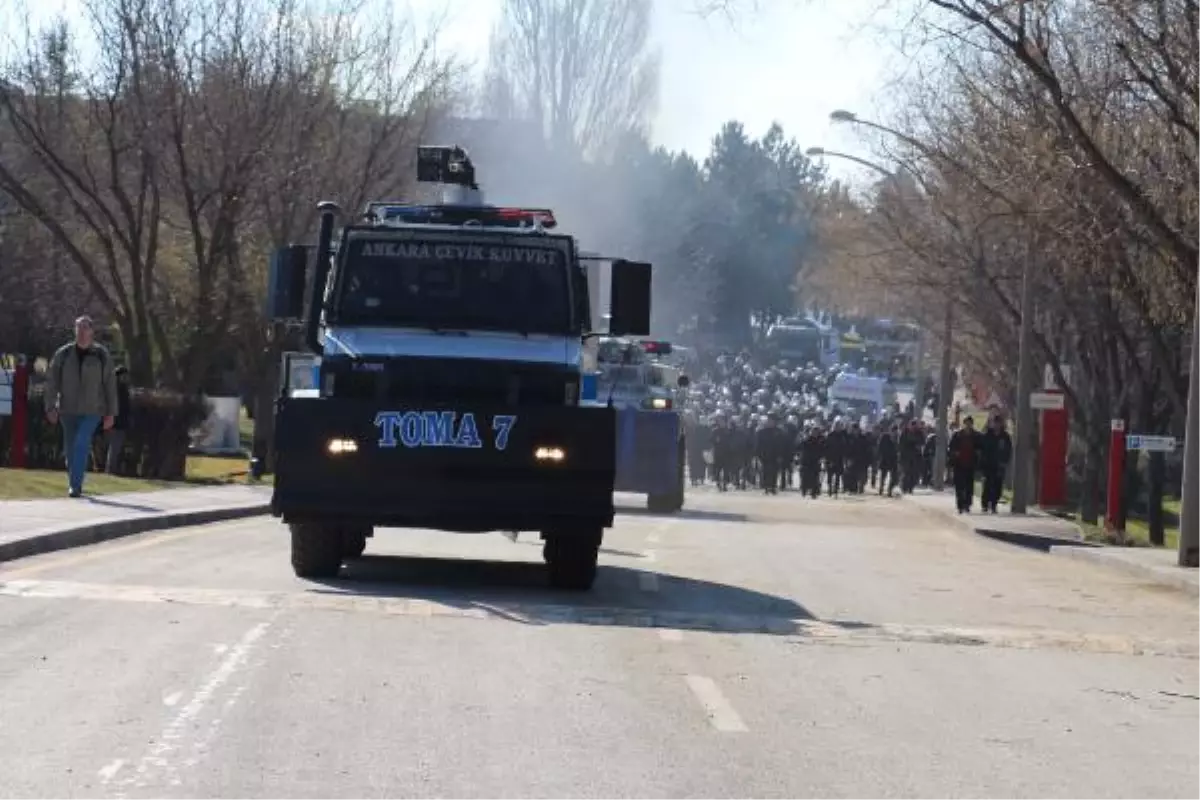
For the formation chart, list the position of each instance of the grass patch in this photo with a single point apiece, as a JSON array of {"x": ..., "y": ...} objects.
[
  {"x": 31, "y": 484},
  {"x": 35, "y": 484},
  {"x": 1137, "y": 534}
]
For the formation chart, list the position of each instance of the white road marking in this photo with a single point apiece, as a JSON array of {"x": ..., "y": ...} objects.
[
  {"x": 650, "y": 556},
  {"x": 160, "y": 758},
  {"x": 719, "y": 710},
  {"x": 648, "y": 582},
  {"x": 109, "y": 772},
  {"x": 172, "y": 699},
  {"x": 670, "y": 634},
  {"x": 652, "y": 538}
]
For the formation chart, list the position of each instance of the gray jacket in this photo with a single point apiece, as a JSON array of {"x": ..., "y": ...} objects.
[{"x": 84, "y": 385}]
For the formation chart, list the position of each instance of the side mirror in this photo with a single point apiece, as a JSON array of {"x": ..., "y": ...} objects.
[
  {"x": 684, "y": 382},
  {"x": 286, "y": 283},
  {"x": 629, "y": 300}
]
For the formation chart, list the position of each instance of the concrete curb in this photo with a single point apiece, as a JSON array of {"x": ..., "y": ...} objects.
[
  {"x": 81, "y": 535},
  {"x": 1170, "y": 577}
]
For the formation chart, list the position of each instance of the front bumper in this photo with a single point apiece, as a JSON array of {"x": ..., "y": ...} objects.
[{"x": 448, "y": 483}]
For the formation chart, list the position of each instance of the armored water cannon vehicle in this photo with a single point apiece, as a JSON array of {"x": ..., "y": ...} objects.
[{"x": 447, "y": 344}]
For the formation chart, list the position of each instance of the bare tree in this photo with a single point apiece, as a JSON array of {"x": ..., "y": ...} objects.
[
  {"x": 165, "y": 166},
  {"x": 354, "y": 122},
  {"x": 1058, "y": 137},
  {"x": 582, "y": 69}
]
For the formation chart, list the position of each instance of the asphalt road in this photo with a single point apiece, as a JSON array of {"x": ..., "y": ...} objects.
[{"x": 750, "y": 646}]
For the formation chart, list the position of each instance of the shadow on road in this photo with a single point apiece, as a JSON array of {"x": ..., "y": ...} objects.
[
  {"x": 687, "y": 513},
  {"x": 1032, "y": 541},
  {"x": 117, "y": 504},
  {"x": 518, "y": 590},
  {"x": 612, "y": 551}
]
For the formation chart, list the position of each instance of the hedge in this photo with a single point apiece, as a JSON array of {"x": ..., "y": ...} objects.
[{"x": 156, "y": 442}]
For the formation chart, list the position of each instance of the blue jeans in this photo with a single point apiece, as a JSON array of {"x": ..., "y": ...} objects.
[{"x": 78, "y": 430}]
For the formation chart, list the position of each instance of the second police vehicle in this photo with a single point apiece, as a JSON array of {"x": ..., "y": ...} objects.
[{"x": 648, "y": 393}]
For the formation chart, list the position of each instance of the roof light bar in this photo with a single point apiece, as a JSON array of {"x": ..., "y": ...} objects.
[
  {"x": 486, "y": 216},
  {"x": 657, "y": 348}
]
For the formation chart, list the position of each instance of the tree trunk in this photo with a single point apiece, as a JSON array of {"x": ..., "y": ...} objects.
[{"x": 1089, "y": 507}]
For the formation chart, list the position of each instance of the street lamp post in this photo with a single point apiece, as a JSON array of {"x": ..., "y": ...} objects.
[
  {"x": 1189, "y": 511},
  {"x": 1024, "y": 444},
  {"x": 945, "y": 396},
  {"x": 919, "y": 375}
]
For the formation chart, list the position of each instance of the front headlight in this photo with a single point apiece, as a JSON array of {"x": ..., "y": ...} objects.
[
  {"x": 660, "y": 403},
  {"x": 337, "y": 447},
  {"x": 551, "y": 454}
]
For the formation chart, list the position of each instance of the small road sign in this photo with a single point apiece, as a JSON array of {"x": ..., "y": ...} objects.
[
  {"x": 1150, "y": 444},
  {"x": 1046, "y": 401}
]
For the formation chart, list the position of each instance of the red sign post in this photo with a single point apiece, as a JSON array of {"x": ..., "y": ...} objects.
[
  {"x": 1116, "y": 475},
  {"x": 1052, "y": 483},
  {"x": 20, "y": 413}
]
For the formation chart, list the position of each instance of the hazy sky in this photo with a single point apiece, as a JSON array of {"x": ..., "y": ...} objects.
[{"x": 791, "y": 61}]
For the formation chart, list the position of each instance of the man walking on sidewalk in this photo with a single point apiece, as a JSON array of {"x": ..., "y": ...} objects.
[
  {"x": 964, "y": 458},
  {"x": 81, "y": 391},
  {"x": 994, "y": 454}
]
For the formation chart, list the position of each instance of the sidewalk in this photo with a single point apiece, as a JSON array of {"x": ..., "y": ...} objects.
[
  {"x": 1036, "y": 529},
  {"x": 1156, "y": 564},
  {"x": 1041, "y": 531},
  {"x": 30, "y": 527}
]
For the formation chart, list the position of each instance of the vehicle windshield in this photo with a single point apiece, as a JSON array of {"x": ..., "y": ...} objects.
[
  {"x": 796, "y": 343},
  {"x": 615, "y": 351},
  {"x": 457, "y": 286}
]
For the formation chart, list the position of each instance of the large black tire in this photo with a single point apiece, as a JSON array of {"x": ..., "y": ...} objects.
[
  {"x": 571, "y": 559},
  {"x": 354, "y": 542},
  {"x": 672, "y": 502},
  {"x": 316, "y": 550}
]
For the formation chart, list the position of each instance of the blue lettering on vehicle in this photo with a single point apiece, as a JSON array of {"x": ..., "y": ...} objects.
[
  {"x": 502, "y": 425},
  {"x": 468, "y": 434},
  {"x": 439, "y": 429}
]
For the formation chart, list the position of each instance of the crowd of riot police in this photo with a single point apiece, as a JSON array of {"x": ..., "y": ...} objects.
[
  {"x": 774, "y": 427},
  {"x": 755, "y": 423}
]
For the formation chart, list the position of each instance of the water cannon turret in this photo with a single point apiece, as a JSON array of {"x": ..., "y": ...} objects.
[{"x": 450, "y": 167}]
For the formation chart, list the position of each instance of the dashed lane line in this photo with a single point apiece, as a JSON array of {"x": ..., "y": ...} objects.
[
  {"x": 803, "y": 631},
  {"x": 720, "y": 712}
]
